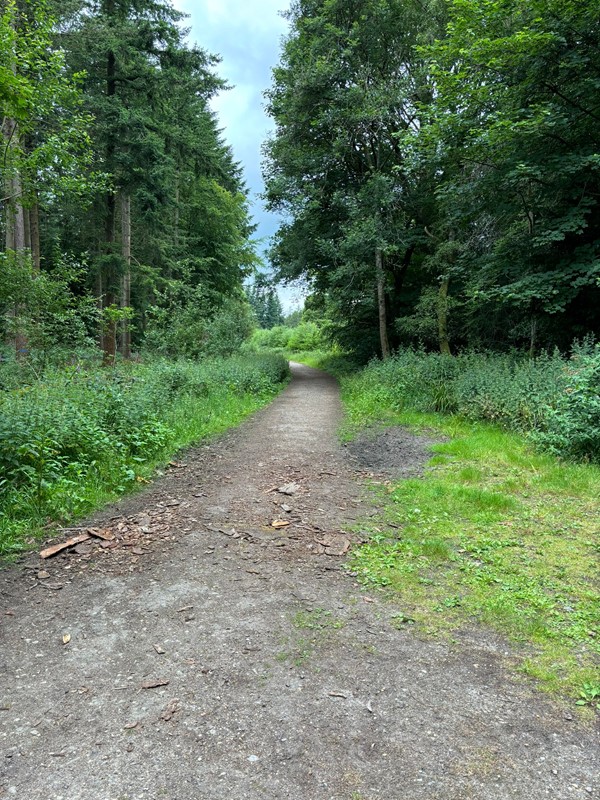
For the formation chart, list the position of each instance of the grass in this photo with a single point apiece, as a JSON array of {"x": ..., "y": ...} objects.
[
  {"x": 317, "y": 625},
  {"x": 494, "y": 534}
]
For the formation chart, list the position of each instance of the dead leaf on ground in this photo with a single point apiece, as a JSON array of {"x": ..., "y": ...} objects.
[
  {"x": 170, "y": 710},
  {"x": 56, "y": 548},
  {"x": 137, "y": 551},
  {"x": 42, "y": 575},
  {"x": 66, "y": 638},
  {"x": 131, "y": 725},
  {"x": 155, "y": 684},
  {"x": 368, "y": 600},
  {"x": 279, "y": 523}
]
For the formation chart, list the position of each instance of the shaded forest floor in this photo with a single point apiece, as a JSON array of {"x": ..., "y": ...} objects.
[{"x": 208, "y": 644}]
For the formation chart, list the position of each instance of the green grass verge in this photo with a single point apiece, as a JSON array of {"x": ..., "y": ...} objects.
[
  {"x": 494, "y": 533},
  {"x": 176, "y": 405}
]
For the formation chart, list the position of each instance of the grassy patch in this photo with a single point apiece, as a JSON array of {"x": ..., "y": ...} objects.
[
  {"x": 495, "y": 534},
  {"x": 317, "y": 626}
]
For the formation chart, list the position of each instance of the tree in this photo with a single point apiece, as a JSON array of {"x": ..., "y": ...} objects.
[
  {"x": 516, "y": 111},
  {"x": 347, "y": 89}
]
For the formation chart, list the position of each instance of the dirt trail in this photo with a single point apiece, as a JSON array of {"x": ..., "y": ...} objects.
[{"x": 284, "y": 680}]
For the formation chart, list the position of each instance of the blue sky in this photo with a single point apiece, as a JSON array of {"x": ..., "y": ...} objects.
[{"x": 247, "y": 35}]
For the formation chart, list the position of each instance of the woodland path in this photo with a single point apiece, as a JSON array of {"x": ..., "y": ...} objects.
[{"x": 285, "y": 678}]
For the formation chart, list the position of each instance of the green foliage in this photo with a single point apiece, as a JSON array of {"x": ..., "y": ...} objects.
[
  {"x": 305, "y": 336},
  {"x": 79, "y": 435},
  {"x": 572, "y": 422},
  {"x": 196, "y": 323},
  {"x": 552, "y": 399},
  {"x": 50, "y": 310},
  {"x": 265, "y": 302}
]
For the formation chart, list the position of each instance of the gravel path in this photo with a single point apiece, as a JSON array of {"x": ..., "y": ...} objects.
[{"x": 210, "y": 655}]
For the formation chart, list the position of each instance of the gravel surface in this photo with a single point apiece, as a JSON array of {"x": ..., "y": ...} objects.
[{"x": 190, "y": 649}]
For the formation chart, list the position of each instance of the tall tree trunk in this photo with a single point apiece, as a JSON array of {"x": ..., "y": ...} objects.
[
  {"x": 380, "y": 274},
  {"x": 443, "y": 316},
  {"x": 126, "y": 284},
  {"x": 177, "y": 211},
  {"x": 533, "y": 336},
  {"x": 14, "y": 222},
  {"x": 34, "y": 227},
  {"x": 109, "y": 339}
]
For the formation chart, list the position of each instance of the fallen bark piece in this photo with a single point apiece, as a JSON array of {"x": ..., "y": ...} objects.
[
  {"x": 155, "y": 684},
  {"x": 289, "y": 488},
  {"x": 56, "y": 548},
  {"x": 106, "y": 536}
]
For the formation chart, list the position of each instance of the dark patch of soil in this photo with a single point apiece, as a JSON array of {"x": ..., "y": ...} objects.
[
  {"x": 394, "y": 451},
  {"x": 211, "y": 655}
]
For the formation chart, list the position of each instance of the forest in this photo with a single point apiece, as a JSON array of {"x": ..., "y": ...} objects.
[{"x": 435, "y": 166}]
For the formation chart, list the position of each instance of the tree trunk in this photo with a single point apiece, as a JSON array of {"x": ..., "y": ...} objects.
[
  {"x": 533, "y": 337},
  {"x": 383, "y": 336},
  {"x": 109, "y": 338},
  {"x": 177, "y": 212},
  {"x": 126, "y": 283},
  {"x": 34, "y": 227},
  {"x": 14, "y": 223},
  {"x": 443, "y": 316}
]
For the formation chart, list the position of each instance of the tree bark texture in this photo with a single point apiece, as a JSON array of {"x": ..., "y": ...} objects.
[
  {"x": 443, "y": 316},
  {"x": 126, "y": 282},
  {"x": 380, "y": 274}
]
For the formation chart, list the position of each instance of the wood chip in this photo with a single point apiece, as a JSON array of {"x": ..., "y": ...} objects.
[
  {"x": 155, "y": 684},
  {"x": 338, "y": 694},
  {"x": 98, "y": 533},
  {"x": 56, "y": 548},
  {"x": 280, "y": 523},
  {"x": 159, "y": 649}
]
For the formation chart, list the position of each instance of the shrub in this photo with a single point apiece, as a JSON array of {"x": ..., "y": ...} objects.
[{"x": 553, "y": 399}]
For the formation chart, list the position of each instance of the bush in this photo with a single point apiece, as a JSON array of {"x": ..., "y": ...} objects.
[
  {"x": 572, "y": 422},
  {"x": 553, "y": 399}
]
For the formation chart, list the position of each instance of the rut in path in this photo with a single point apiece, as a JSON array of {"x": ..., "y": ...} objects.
[{"x": 273, "y": 675}]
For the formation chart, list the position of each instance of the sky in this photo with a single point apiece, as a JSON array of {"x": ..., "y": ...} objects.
[{"x": 247, "y": 35}]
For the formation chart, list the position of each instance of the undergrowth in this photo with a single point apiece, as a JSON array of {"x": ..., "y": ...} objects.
[{"x": 77, "y": 437}]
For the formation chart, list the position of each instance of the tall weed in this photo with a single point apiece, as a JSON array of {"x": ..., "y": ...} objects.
[{"x": 553, "y": 399}]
